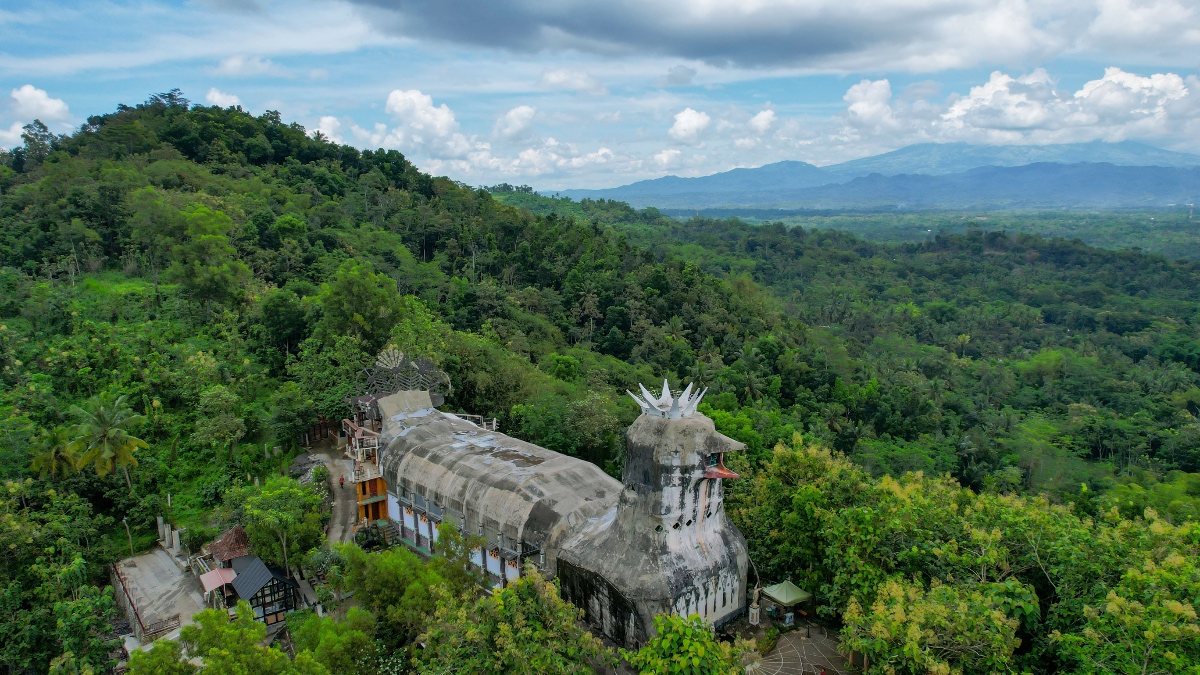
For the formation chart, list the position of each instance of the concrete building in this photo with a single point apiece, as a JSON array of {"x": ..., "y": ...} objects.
[
  {"x": 657, "y": 541},
  {"x": 668, "y": 546}
]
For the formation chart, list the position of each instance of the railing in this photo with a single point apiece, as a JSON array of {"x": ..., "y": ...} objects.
[
  {"x": 200, "y": 565},
  {"x": 480, "y": 421},
  {"x": 145, "y": 633},
  {"x": 160, "y": 628},
  {"x": 361, "y": 443},
  {"x": 365, "y": 471}
]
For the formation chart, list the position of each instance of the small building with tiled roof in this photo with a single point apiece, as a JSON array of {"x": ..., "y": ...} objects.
[
  {"x": 270, "y": 592},
  {"x": 235, "y": 543}
]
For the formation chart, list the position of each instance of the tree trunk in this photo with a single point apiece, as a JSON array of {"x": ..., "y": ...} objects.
[
  {"x": 157, "y": 300},
  {"x": 283, "y": 543},
  {"x": 129, "y": 483}
]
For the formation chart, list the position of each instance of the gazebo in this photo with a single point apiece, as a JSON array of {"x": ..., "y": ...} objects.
[{"x": 785, "y": 596}]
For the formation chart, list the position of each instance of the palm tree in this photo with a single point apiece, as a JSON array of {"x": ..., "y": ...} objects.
[
  {"x": 676, "y": 329},
  {"x": 103, "y": 434},
  {"x": 700, "y": 373},
  {"x": 55, "y": 453},
  {"x": 753, "y": 388}
]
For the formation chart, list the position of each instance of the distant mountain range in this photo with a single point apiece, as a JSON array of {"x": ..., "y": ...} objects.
[{"x": 940, "y": 176}]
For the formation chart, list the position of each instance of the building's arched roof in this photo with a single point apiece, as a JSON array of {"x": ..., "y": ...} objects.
[{"x": 523, "y": 491}]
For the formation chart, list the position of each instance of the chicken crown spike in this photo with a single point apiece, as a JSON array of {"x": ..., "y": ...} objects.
[{"x": 667, "y": 405}]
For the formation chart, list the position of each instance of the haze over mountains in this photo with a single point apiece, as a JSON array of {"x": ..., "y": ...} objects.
[{"x": 941, "y": 176}]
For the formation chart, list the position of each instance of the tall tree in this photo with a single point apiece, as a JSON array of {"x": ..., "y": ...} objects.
[
  {"x": 85, "y": 628},
  {"x": 156, "y": 226},
  {"x": 205, "y": 262},
  {"x": 453, "y": 562},
  {"x": 523, "y": 628},
  {"x": 359, "y": 303},
  {"x": 280, "y": 507},
  {"x": 219, "y": 424},
  {"x": 945, "y": 629},
  {"x": 55, "y": 453},
  {"x": 104, "y": 436},
  {"x": 396, "y": 586},
  {"x": 224, "y": 647},
  {"x": 39, "y": 142},
  {"x": 342, "y": 646},
  {"x": 1147, "y": 625}
]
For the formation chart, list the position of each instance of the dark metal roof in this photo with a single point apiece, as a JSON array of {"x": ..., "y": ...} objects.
[{"x": 252, "y": 575}]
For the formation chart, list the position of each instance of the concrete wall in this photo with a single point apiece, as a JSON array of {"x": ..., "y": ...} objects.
[
  {"x": 657, "y": 542},
  {"x": 669, "y": 547}
]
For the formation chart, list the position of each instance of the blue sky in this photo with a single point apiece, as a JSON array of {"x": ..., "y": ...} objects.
[{"x": 569, "y": 93}]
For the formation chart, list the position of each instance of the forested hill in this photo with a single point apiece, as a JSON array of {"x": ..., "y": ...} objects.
[
  {"x": 216, "y": 280},
  {"x": 1024, "y": 328}
]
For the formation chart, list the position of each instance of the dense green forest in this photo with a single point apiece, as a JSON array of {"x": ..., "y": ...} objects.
[
  {"x": 986, "y": 425},
  {"x": 999, "y": 358},
  {"x": 1171, "y": 231}
]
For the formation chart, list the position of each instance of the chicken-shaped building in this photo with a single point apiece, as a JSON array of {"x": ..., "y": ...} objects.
[{"x": 659, "y": 541}]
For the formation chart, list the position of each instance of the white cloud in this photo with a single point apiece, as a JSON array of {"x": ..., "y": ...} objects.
[
  {"x": 688, "y": 126},
  {"x": 870, "y": 105},
  {"x": 32, "y": 103},
  {"x": 1124, "y": 97},
  {"x": 248, "y": 66},
  {"x": 11, "y": 137},
  {"x": 1029, "y": 109},
  {"x": 1004, "y": 102},
  {"x": 219, "y": 98},
  {"x": 601, "y": 156},
  {"x": 762, "y": 122},
  {"x": 422, "y": 125},
  {"x": 667, "y": 158},
  {"x": 516, "y": 123},
  {"x": 417, "y": 112},
  {"x": 371, "y": 138},
  {"x": 573, "y": 80},
  {"x": 331, "y": 128},
  {"x": 549, "y": 156},
  {"x": 1139, "y": 24}
]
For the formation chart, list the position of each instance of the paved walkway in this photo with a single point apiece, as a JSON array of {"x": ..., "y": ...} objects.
[
  {"x": 795, "y": 654},
  {"x": 160, "y": 590},
  {"x": 345, "y": 506}
]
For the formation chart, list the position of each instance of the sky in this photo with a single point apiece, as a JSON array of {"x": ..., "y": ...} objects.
[{"x": 587, "y": 94}]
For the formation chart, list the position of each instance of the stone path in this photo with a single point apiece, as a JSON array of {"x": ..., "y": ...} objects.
[{"x": 795, "y": 654}]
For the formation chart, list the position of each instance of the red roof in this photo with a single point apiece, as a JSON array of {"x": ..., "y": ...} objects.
[
  {"x": 217, "y": 578},
  {"x": 233, "y": 544}
]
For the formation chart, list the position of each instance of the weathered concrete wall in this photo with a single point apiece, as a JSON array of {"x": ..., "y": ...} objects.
[
  {"x": 669, "y": 547},
  {"x": 519, "y": 496},
  {"x": 658, "y": 542}
]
